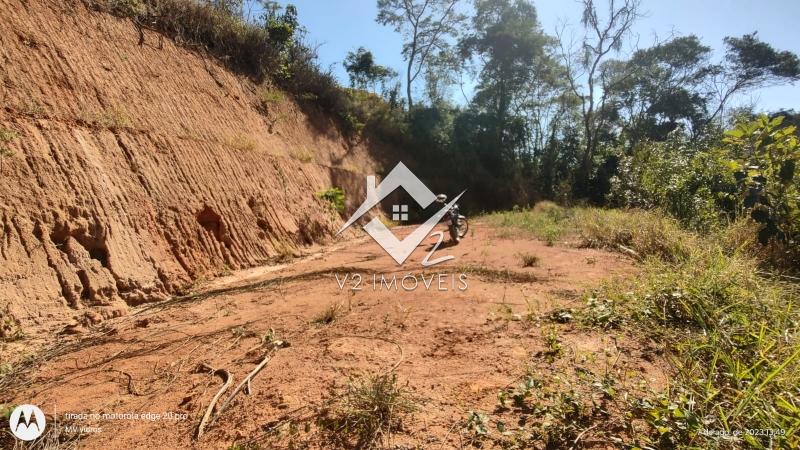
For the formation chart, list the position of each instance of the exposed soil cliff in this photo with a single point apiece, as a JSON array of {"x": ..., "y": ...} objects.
[{"x": 137, "y": 169}]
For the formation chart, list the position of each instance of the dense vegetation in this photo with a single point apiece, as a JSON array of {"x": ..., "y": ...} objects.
[{"x": 548, "y": 119}]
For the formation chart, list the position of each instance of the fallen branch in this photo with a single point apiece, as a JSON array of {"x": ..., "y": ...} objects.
[
  {"x": 227, "y": 378},
  {"x": 630, "y": 252},
  {"x": 577, "y": 439},
  {"x": 245, "y": 382}
]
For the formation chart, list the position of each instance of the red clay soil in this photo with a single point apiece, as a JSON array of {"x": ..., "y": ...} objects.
[
  {"x": 453, "y": 349},
  {"x": 137, "y": 169}
]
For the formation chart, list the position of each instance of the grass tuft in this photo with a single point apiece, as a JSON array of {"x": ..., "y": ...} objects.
[
  {"x": 329, "y": 315},
  {"x": 369, "y": 410},
  {"x": 529, "y": 260},
  {"x": 10, "y": 328}
]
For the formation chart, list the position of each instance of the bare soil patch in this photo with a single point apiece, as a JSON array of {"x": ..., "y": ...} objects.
[{"x": 453, "y": 350}]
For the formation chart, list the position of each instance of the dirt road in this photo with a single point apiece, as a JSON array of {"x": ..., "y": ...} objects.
[{"x": 454, "y": 348}]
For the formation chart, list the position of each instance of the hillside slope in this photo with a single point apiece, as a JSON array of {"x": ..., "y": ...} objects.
[{"x": 137, "y": 169}]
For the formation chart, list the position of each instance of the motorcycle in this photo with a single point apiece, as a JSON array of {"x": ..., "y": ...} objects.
[{"x": 456, "y": 223}]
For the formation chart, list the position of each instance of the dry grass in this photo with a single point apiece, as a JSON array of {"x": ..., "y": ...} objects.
[
  {"x": 242, "y": 143},
  {"x": 6, "y": 136},
  {"x": 529, "y": 260},
  {"x": 369, "y": 410},
  {"x": 329, "y": 315},
  {"x": 731, "y": 333}
]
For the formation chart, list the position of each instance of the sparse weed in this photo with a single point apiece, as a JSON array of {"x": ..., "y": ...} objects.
[
  {"x": 477, "y": 423},
  {"x": 553, "y": 343},
  {"x": 269, "y": 96},
  {"x": 329, "y": 315},
  {"x": 302, "y": 155},
  {"x": 601, "y": 312},
  {"x": 519, "y": 393},
  {"x": 242, "y": 143},
  {"x": 242, "y": 332},
  {"x": 33, "y": 109},
  {"x": 529, "y": 260},
  {"x": 334, "y": 196},
  {"x": 6, "y": 136},
  {"x": 369, "y": 410},
  {"x": 114, "y": 119},
  {"x": 10, "y": 328}
]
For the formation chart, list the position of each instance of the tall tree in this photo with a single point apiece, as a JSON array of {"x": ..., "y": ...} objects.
[
  {"x": 751, "y": 64},
  {"x": 509, "y": 47},
  {"x": 427, "y": 26},
  {"x": 660, "y": 88},
  {"x": 603, "y": 36}
]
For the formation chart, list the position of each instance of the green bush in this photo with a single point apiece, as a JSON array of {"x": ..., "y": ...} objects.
[
  {"x": 748, "y": 174},
  {"x": 697, "y": 188},
  {"x": 766, "y": 157},
  {"x": 334, "y": 196}
]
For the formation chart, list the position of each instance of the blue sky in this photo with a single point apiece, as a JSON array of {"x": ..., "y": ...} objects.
[{"x": 339, "y": 26}]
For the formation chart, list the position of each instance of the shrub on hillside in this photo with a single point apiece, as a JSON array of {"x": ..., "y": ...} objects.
[
  {"x": 334, "y": 196},
  {"x": 270, "y": 48}
]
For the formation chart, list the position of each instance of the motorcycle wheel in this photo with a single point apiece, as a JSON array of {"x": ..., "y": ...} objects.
[
  {"x": 463, "y": 227},
  {"x": 454, "y": 235}
]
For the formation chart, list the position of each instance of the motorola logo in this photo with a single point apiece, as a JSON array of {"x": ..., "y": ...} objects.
[{"x": 27, "y": 422}]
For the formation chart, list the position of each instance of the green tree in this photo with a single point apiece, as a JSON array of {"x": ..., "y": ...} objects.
[
  {"x": 507, "y": 38},
  {"x": 363, "y": 72},
  {"x": 588, "y": 80},
  {"x": 427, "y": 26},
  {"x": 751, "y": 64},
  {"x": 660, "y": 89},
  {"x": 281, "y": 26}
]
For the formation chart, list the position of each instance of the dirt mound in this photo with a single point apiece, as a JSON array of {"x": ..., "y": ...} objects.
[{"x": 135, "y": 170}]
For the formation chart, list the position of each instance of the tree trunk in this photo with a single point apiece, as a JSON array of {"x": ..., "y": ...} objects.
[{"x": 411, "y": 57}]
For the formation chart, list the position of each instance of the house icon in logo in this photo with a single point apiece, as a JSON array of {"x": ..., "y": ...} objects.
[{"x": 399, "y": 177}]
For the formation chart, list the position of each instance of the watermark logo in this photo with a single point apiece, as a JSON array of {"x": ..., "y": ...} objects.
[
  {"x": 27, "y": 422},
  {"x": 398, "y": 249}
]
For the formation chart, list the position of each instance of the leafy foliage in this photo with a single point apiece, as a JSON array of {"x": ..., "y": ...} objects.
[
  {"x": 360, "y": 66},
  {"x": 334, "y": 196},
  {"x": 766, "y": 159},
  {"x": 750, "y": 173}
]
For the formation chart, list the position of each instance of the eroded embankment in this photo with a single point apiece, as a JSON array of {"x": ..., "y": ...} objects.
[{"x": 137, "y": 169}]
